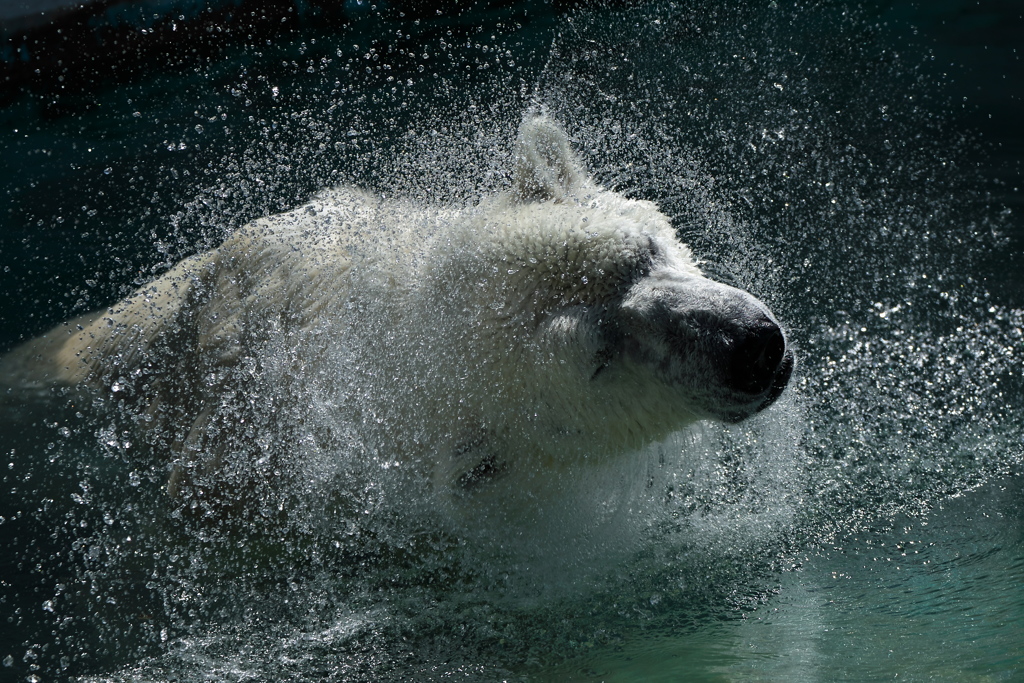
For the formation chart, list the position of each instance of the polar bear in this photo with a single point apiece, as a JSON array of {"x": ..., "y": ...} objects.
[{"x": 550, "y": 324}]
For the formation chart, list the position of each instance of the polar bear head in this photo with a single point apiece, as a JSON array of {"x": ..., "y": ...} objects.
[{"x": 584, "y": 326}]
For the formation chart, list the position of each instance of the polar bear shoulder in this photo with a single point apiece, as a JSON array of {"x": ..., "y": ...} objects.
[{"x": 269, "y": 273}]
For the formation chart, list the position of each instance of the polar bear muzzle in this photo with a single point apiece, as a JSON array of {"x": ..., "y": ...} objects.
[
  {"x": 717, "y": 346},
  {"x": 761, "y": 365}
]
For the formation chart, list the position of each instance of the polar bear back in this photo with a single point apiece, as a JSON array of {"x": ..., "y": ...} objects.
[{"x": 270, "y": 274}]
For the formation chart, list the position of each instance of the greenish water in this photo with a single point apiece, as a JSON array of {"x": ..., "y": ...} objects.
[
  {"x": 867, "y": 527},
  {"x": 933, "y": 598}
]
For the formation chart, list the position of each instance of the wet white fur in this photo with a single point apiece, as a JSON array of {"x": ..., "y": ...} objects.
[{"x": 448, "y": 337}]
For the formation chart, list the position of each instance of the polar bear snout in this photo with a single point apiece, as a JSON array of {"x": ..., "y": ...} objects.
[
  {"x": 756, "y": 357},
  {"x": 760, "y": 365},
  {"x": 717, "y": 345}
]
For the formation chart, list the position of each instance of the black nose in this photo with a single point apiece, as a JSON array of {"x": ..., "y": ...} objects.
[{"x": 755, "y": 361}]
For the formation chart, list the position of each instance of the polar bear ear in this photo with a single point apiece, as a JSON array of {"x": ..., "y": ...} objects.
[{"x": 545, "y": 165}]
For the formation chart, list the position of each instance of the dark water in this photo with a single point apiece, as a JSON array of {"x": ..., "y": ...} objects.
[{"x": 857, "y": 166}]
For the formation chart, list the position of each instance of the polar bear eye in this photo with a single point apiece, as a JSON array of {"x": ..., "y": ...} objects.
[
  {"x": 646, "y": 258},
  {"x": 607, "y": 339},
  {"x": 653, "y": 249}
]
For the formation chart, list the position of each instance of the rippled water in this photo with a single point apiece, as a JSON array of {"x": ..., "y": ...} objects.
[
  {"x": 934, "y": 598},
  {"x": 867, "y": 525}
]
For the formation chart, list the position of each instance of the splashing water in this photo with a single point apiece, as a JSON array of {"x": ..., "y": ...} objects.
[{"x": 798, "y": 154}]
